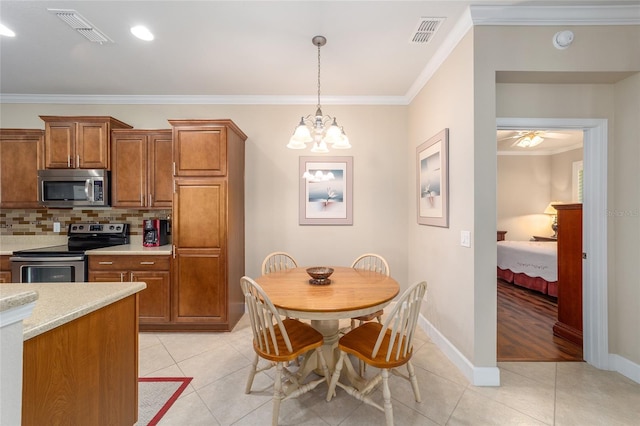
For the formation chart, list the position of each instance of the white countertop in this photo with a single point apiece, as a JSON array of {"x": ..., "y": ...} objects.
[
  {"x": 11, "y": 243},
  {"x": 60, "y": 303}
]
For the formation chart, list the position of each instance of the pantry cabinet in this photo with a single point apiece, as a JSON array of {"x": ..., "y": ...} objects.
[
  {"x": 79, "y": 142},
  {"x": 141, "y": 168},
  {"x": 21, "y": 155},
  {"x": 154, "y": 301},
  {"x": 208, "y": 224}
]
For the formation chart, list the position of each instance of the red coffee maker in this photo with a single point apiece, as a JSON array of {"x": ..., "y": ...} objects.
[{"x": 155, "y": 232}]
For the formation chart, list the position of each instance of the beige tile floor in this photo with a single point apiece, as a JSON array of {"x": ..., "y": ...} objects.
[{"x": 531, "y": 393}]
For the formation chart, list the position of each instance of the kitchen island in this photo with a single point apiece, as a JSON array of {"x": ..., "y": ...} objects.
[{"x": 80, "y": 353}]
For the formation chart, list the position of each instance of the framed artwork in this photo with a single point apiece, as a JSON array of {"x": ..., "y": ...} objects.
[
  {"x": 433, "y": 180},
  {"x": 326, "y": 191}
]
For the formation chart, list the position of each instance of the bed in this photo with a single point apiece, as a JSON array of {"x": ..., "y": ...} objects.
[{"x": 529, "y": 264}]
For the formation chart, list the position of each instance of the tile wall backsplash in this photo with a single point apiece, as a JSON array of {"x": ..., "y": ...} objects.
[{"x": 40, "y": 221}]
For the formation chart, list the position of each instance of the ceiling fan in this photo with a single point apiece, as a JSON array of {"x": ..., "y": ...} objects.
[{"x": 529, "y": 138}]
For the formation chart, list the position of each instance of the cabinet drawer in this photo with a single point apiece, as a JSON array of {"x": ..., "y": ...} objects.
[{"x": 129, "y": 263}]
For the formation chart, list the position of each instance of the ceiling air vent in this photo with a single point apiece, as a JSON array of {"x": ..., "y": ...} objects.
[
  {"x": 425, "y": 30},
  {"x": 81, "y": 25}
]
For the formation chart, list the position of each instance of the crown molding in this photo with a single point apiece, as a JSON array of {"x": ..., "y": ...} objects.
[
  {"x": 16, "y": 98},
  {"x": 556, "y": 15}
]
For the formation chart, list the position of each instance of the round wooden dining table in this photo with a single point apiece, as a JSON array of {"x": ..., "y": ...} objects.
[{"x": 351, "y": 293}]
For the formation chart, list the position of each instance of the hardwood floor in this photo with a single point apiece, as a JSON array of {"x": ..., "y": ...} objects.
[{"x": 525, "y": 327}]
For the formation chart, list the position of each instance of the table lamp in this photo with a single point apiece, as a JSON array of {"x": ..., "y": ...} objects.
[{"x": 552, "y": 211}]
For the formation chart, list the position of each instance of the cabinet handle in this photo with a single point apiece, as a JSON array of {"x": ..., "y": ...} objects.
[
  {"x": 78, "y": 160},
  {"x": 69, "y": 161},
  {"x": 147, "y": 263},
  {"x": 131, "y": 276},
  {"x": 174, "y": 168},
  {"x": 150, "y": 200},
  {"x": 121, "y": 276},
  {"x": 105, "y": 263},
  {"x": 142, "y": 200}
]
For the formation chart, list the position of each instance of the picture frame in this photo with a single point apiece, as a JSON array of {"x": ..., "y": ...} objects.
[
  {"x": 326, "y": 200},
  {"x": 432, "y": 176}
]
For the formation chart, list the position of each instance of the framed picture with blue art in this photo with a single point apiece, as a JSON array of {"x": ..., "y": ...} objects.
[
  {"x": 326, "y": 191},
  {"x": 433, "y": 180}
]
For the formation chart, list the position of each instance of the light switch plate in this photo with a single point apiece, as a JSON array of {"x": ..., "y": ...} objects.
[
  {"x": 465, "y": 238},
  {"x": 56, "y": 226}
]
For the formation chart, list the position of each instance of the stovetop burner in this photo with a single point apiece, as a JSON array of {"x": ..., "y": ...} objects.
[{"x": 82, "y": 237}]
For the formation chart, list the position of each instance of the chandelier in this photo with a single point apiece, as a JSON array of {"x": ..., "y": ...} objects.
[{"x": 321, "y": 130}]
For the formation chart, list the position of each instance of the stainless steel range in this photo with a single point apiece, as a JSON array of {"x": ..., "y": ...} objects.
[{"x": 67, "y": 263}]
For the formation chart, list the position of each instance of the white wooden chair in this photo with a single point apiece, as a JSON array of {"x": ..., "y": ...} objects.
[
  {"x": 279, "y": 342},
  {"x": 278, "y": 261},
  {"x": 385, "y": 346},
  {"x": 370, "y": 262}
]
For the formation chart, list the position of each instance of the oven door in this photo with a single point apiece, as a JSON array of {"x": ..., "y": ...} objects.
[{"x": 48, "y": 269}]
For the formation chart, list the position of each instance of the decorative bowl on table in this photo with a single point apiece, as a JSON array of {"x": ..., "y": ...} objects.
[{"x": 320, "y": 275}]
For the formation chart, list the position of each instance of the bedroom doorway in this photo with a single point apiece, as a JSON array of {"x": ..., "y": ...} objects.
[
  {"x": 595, "y": 320},
  {"x": 534, "y": 168}
]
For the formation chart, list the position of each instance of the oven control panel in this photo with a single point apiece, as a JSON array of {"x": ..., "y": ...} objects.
[{"x": 98, "y": 228}]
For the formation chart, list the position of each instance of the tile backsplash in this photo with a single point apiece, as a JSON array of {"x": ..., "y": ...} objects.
[{"x": 40, "y": 221}]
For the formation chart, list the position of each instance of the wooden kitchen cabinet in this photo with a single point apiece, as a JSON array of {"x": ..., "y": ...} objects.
[
  {"x": 141, "y": 168},
  {"x": 154, "y": 301},
  {"x": 21, "y": 156},
  {"x": 208, "y": 224},
  {"x": 5, "y": 269},
  {"x": 79, "y": 142},
  {"x": 569, "y": 324}
]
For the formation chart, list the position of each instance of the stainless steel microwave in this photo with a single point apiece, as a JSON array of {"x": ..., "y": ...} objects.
[{"x": 73, "y": 187}]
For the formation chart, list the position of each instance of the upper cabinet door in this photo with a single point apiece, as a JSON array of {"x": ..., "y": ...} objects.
[
  {"x": 92, "y": 146},
  {"x": 129, "y": 169},
  {"x": 21, "y": 154},
  {"x": 60, "y": 145},
  {"x": 160, "y": 171},
  {"x": 200, "y": 151}
]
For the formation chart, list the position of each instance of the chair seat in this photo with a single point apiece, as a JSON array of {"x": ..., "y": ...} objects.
[
  {"x": 360, "y": 341},
  {"x": 303, "y": 338},
  {"x": 370, "y": 317}
]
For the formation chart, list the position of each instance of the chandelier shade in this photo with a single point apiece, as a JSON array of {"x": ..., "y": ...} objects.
[{"x": 319, "y": 130}]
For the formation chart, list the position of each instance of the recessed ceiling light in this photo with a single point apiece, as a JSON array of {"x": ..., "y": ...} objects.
[
  {"x": 6, "y": 31},
  {"x": 142, "y": 32}
]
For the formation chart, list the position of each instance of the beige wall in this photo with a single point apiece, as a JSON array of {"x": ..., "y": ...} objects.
[
  {"x": 624, "y": 224},
  {"x": 594, "y": 49},
  {"x": 435, "y": 254},
  {"x": 377, "y": 133},
  {"x": 526, "y": 184}
]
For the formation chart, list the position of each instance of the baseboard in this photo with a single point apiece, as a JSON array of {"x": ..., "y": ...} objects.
[
  {"x": 625, "y": 367},
  {"x": 490, "y": 376},
  {"x": 478, "y": 376}
]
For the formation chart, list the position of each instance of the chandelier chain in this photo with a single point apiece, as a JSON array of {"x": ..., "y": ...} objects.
[{"x": 318, "y": 76}]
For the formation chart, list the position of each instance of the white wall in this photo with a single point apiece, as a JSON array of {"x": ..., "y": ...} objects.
[{"x": 377, "y": 133}]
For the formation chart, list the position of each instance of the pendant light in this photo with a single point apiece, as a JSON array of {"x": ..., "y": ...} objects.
[{"x": 322, "y": 131}]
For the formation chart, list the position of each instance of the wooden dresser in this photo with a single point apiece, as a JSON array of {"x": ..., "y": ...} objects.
[{"x": 569, "y": 324}]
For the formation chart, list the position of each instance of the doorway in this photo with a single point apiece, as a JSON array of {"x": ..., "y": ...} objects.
[
  {"x": 595, "y": 310},
  {"x": 535, "y": 169}
]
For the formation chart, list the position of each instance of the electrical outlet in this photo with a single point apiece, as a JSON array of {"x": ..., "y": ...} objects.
[
  {"x": 56, "y": 226},
  {"x": 465, "y": 238}
]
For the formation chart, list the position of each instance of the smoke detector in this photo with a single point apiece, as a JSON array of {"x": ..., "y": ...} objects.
[
  {"x": 425, "y": 30},
  {"x": 81, "y": 25}
]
